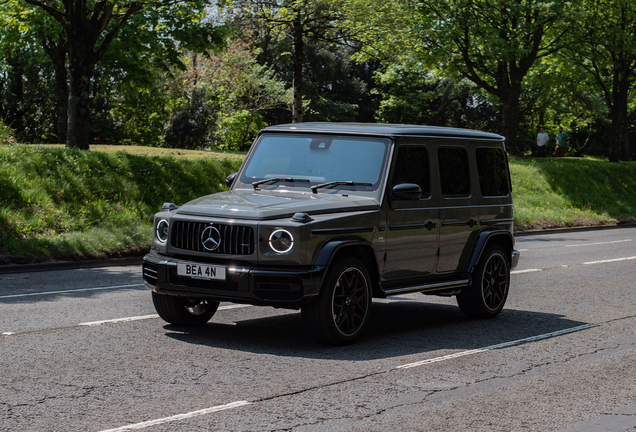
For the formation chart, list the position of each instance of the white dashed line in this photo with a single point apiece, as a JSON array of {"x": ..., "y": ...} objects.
[
  {"x": 8, "y": 333},
  {"x": 599, "y": 243},
  {"x": 610, "y": 260},
  {"x": 498, "y": 346},
  {"x": 525, "y": 271},
  {"x": 69, "y": 291},
  {"x": 177, "y": 417},
  {"x": 117, "y": 320},
  {"x": 143, "y": 317}
]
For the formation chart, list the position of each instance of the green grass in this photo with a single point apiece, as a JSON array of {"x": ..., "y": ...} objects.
[
  {"x": 57, "y": 203},
  {"x": 69, "y": 204},
  {"x": 569, "y": 192}
]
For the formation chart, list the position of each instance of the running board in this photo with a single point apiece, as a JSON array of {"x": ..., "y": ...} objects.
[{"x": 428, "y": 287}]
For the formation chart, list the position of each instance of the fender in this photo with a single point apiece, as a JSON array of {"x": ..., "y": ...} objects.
[
  {"x": 482, "y": 239},
  {"x": 329, "y": 249}
]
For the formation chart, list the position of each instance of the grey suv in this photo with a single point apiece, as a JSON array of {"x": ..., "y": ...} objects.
[{"x": 322, "y": 217}]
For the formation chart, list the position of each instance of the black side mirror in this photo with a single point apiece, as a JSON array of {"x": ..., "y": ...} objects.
[
  {"x": 407, "y": 191},
  {"x": 230, "y": 179}
]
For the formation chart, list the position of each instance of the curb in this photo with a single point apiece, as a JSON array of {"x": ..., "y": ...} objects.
[
  {"x": 112, "y": 262},
  {"x": 572, "y": 229},
  {"x": 69, "y": 265}
]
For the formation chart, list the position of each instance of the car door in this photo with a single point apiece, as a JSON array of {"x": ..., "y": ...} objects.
[
  {"x": 459, "y": 216},
  {"x": 412, "y": 224}
]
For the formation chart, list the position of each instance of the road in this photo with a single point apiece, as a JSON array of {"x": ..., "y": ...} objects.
[{"x": 82, "y": 350}]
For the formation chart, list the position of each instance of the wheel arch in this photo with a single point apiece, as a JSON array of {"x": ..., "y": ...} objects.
[
  {"x": 360, "y": 249},
  {"x": 484, "y": 240}
]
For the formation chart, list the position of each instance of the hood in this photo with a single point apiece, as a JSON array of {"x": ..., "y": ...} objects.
[{"x": 263, "y": 205}]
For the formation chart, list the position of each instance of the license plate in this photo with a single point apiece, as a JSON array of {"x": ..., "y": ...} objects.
[{"x": 198, "y": 271}]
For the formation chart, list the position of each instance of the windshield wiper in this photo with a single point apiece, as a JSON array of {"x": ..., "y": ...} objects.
[
  {"x": 276, "y": 180},
  {"x": 331, "y": 184}
]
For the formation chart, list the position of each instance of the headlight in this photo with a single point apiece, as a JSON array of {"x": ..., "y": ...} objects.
[
  {"x": 162, "y": 231},
  {"x": 281, "y": 241}
]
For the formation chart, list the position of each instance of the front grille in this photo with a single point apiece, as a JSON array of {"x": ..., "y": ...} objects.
[
  {"x": 235, "y": 240},
  {"x": 226, "y": 285},
  {"x": 278, "y": 287},
  {"x": 150, "y": 273}
]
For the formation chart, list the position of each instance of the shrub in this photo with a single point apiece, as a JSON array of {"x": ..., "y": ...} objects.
[
  {"x": 237, "y": 130},
  {"x": 189, "y": 125}
]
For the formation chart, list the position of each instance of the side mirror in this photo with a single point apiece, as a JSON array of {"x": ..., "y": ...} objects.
[
  {"x": 230, "y": 179},
  {"x": 407, "y": 191}
]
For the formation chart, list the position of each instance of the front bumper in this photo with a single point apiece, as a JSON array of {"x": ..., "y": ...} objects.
[{"x": 284, "y": 287}]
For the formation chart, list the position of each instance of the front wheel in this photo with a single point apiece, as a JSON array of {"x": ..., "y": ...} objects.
[
  {"x": 184, "y": 311},
  {"x": 341, "y": 310},
  {"x": 487, "y": 294}
]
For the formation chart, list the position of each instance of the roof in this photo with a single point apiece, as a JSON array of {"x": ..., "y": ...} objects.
[{"x": 384, "y": 129}]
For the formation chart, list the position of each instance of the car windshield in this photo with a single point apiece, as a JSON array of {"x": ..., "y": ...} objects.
[{"x": 319, "y": 159}]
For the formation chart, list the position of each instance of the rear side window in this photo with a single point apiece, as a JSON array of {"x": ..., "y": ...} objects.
[
  {"x": 493, "y": 175},
  {"x": 454, "y": 172},
  {"x": 411, "y": 166}
]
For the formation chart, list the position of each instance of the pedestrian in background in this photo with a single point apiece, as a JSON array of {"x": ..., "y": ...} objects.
[
  {"x": 562, "y": 142},
  {"x": 542, "y": 141}
]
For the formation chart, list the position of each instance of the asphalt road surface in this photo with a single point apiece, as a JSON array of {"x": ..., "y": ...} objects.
[{"x": 82, "y": 350}]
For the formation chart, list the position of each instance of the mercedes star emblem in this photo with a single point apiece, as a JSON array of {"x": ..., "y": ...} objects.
[{"x": 211, "y": 238}]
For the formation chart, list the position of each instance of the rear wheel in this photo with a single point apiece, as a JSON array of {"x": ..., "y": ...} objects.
[
  {"x": 487, "y": 294},
  {"x": 340, "y": 312},
  {"x": 184, "y": 311}
]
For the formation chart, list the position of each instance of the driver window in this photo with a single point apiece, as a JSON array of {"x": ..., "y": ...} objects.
[{"x": 412, "y": 166}]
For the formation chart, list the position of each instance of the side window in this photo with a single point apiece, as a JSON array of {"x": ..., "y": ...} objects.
[
  {"x": 411, "y": 166},
  {"x": 453, "y": 171},
  {"x": 493, "y": 176}
]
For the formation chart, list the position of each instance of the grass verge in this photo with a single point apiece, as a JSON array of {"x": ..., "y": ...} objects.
[
  {"x": 57, "y": 203},
  {"x": 70, "y": 204}
]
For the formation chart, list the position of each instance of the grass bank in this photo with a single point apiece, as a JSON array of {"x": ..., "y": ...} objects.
[{"x": 68, "y": 204}]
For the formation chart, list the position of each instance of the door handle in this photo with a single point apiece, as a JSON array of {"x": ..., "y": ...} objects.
[
  {"x": 430, "y": 225},
  {"x": 471, "y": 223}
]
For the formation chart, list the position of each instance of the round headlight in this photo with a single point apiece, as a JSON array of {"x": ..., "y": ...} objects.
[
  {"x": 162, "y": 231},
  {"x": 281, "y": 241}
]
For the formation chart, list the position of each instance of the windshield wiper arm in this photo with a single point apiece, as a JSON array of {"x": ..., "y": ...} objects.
[
  {"x": 276, "y": 180},
  {"x": 331, "y": 184}
]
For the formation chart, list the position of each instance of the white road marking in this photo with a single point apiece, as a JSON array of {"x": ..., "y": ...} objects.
[
  {"x": 178, "y": 417},
  {"x": 498, "y": 346},
  {"x": 8, "y": 333},
  {"x": 69, "y": 291},
  {"x": 525, "y": 271},
  {"x": 143, "y": 317},
  {"x": 599, "y": 243},
  {"x": 610, "y": 260},
  {"x": 523, "y": 250},
  {"x": 116, "y": 320}
]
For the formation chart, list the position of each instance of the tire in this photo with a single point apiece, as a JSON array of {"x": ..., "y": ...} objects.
[
  {"x": 339, "y": 314},
  {"x": 183, "y": 311},
  {"x": 487, "y": 294}
]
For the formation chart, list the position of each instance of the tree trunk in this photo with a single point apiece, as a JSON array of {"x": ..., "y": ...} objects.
[
  {"x": 619, "y": 147},
  {"x": 81, "y": 71},
  {"x": 297, "y": 64},
  {"x": 510, "y": 117}
]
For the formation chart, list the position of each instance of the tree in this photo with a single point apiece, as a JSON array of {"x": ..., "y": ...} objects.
[
  {"x": 89, "y": 28},
  {"x": 493, "y": 43},
  {"x": 604, "y": 46},
  {"x": 299, "y": 20}
]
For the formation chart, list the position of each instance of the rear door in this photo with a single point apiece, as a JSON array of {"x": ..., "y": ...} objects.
[{"x": 458, "y": 215}]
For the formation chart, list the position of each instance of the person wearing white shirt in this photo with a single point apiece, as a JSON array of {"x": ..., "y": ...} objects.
[{"x": 542, "y": 142}]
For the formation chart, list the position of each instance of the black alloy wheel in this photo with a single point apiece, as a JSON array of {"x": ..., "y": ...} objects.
[
  {"x": 341, "y": 311},
  {"x": 486, "y": 296},
  {"x": 184, "y": 311}
]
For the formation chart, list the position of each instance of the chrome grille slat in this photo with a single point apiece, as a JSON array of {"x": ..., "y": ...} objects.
[{"x": 235, "y": 239}]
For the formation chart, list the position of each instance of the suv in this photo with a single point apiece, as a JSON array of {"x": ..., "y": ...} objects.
[{"x": 322, "y": 217}]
